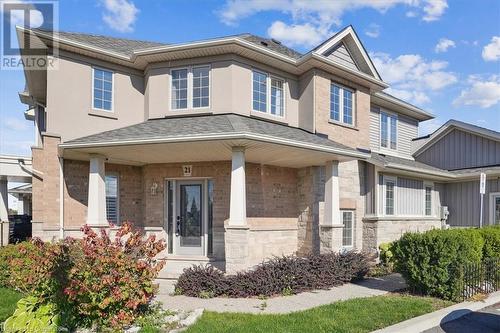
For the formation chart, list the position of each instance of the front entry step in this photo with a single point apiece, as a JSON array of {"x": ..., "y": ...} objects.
[{"x": 175, "y": 265}]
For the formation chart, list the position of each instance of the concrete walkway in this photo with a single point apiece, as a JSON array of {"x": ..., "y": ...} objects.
[
  {"x": 482, "y": 317},
  {"x": 282, "y": 304}
]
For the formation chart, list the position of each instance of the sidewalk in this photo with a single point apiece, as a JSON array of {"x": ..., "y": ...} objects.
[
  {"x": 433, "y": 322},
  {"x": 282, "y": 304}
]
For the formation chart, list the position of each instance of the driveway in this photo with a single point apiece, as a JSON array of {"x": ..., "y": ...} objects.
[{"x": 486, "y": 320}]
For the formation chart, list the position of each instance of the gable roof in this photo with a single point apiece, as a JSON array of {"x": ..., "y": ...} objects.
[
  {"x": 350, "y": 39},
  {"x": 450, "y": 125},
  {"x": 212, "y": 127}
]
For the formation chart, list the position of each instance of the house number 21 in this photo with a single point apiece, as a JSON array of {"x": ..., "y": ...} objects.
[{"x": 187, "y": 170}]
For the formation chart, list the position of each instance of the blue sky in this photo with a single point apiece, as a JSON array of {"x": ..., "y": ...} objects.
[{"x": 443, "y": 56}]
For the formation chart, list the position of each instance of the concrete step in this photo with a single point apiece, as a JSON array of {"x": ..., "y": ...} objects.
[{"x": 175, "y": 265}]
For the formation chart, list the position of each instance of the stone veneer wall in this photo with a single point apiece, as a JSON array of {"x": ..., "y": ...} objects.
[{"x": 383, "y": 230}]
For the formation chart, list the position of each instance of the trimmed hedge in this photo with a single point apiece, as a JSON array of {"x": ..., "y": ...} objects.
[
  {"x": 431, "y": 262},
  {"x": 278, "y": 276}
]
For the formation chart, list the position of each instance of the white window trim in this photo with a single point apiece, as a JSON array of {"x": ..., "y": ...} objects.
[
  {"x": 112, "y": 89},
  {"x": 341, "y": 104},
  {"x": 189, "y": 105},
  {"x": 352, "y": 227},
  {"x": 389, "y": 115},
  {"x": 493, "y": 195},
  {"x": 117, "y": 175},
  {"x": 394, "y": 180},
  {"x": 269, "y": 77},
  {"x": 431, "y": 185}
]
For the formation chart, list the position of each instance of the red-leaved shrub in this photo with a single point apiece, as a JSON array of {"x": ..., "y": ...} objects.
[{"x": 111, "y": 281}]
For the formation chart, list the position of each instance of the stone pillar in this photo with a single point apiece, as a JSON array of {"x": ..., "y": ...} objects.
[
  {"x": 237, "y": 231},
  {"x": 331, "y": 227},
  {"x": 96, "y": 210}
]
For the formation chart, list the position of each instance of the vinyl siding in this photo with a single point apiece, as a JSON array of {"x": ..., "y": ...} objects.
[
  {"x": 407, "y": 131},
  {"x": 341, "y": 55},
  {"x": 460, "y": 150},
  {"x": 409, "y": 197},
  {"x": 463, "y": 201}
]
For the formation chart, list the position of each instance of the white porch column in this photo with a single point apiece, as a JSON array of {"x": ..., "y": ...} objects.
[
  {"x": 4, "y": 201},
  {"x": 236, "y": 237},
  {"x": 331, "y": 227},
  {"x": 332, "y": 194},
  {"x": 96, "y": 210},
  {"x": 238, "y": 202},
  {"x": 4, "y": 213}
]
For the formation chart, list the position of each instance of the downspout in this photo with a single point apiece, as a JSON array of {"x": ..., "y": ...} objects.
[
  {"x": 30, "y": 170},
  {"x": 61, "y": 198}
]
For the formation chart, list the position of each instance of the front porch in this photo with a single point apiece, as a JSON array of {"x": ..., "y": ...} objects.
[{"x": 228, "y": 202}]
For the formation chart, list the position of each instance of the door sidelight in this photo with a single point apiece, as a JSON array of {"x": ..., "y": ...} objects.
[{"x": 178, "y": 226}]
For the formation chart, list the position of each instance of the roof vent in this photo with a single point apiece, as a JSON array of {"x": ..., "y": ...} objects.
[
  {"x": 276, "y": 41},
  {"x": 263, "y": 43}
]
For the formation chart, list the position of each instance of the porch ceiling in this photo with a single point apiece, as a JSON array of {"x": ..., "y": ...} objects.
[{"x": 199, "y": 151}]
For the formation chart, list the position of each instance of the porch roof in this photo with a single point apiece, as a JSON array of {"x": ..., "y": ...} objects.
[{"x": 226, "y": 130}]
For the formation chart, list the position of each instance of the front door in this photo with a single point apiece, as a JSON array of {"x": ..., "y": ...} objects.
[{"x": 190, "y": 217}]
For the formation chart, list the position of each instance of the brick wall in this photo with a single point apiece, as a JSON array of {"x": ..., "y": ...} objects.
[{"x": 76, "y": 177}]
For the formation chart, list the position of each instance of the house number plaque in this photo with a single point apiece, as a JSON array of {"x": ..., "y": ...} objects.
[{"x": 187, "y": 170}]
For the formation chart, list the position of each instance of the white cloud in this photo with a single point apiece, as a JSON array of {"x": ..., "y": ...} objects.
[
  {"x": 297, "y": 34},
  {"x": 16, "y": 124},
  {"x": 17, "y": 16},
  {"x": 373, "y": 30},
  {"x": 443, "y": 45},
  {"x": 434, "y": 9},
  {"x": 482, "y": 92},
  {"x": 319, "y": 17},
  {"x": 412, "y": 77},
  {"x": 429, "y": 126},
  {"x": 120, "y": 15},
  {"x": 491, "y": 52}
]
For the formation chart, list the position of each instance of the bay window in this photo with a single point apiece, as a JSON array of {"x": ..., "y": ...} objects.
[
  {"x": 428, "y": 200},
  {"x": 190, "y": 87},
  {"x": 112, "y": 201},
  {"x": 347, "y": 231},
  {"x": 389, "y": 195},
  {"x": 268, "y": 94}
]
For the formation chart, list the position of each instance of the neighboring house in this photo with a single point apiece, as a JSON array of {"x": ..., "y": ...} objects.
[
  {"x": 466, "y": 151},
  {"x": 233, "y": 149}
]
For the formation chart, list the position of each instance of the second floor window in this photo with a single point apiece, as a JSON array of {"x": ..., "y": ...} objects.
[
  {"x": 268, "y": 94},
  {"x": 103, "y": 89},
  {"x": 190, "y": 87},
  {"x": 388, "y": 130},
  {"x": 341, "y": 104}
]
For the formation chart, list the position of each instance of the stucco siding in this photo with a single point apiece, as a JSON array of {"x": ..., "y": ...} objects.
[{"x": 459, "y": 150}]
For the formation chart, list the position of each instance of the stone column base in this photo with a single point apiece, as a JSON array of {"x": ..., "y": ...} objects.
[
  {"x": 236, "y": 246},
  {"x": 330, "y": 237}
]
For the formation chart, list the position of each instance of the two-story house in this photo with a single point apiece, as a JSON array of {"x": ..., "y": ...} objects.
[{"x": 233, "y": 149}]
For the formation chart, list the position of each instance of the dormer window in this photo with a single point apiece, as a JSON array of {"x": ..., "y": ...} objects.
[
  {"x": 388, "y": 130},
  {"x": 190, "y": 87},
  {"x": 341, "y": 104},
  {"x": 268, "y": 94},
  {"x": 102, "y": 89}
]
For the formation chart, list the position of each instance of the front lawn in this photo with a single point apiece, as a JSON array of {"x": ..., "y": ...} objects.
[
  {"x": 355, "y": 315},
  {"x": 8, "y": 300}
]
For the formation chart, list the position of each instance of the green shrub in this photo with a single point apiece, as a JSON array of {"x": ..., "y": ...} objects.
[
  {"x": 386, "y": 255},
  {"x": 33, "y": 316},
  {"x": 491, "y": 236},
  {"x": 430, "y": 262}
]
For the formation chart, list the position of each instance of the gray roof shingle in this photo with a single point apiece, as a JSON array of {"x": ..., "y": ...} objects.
[
  {"x": 128, "y": 46},
  {"x": 387, "y": 159},
  {"x": 167, "y": 128}
]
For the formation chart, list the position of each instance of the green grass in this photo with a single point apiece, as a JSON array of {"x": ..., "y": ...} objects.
[
  {"x": 356, "y": 315},
  {"x": 8, "y": 300}
]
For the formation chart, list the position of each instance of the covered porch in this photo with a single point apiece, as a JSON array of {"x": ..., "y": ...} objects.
[{"x": 232, "y": 198}]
